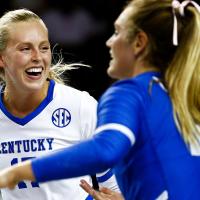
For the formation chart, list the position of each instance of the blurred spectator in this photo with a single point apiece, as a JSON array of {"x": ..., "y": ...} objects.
[{"x": 71, "y": 28}]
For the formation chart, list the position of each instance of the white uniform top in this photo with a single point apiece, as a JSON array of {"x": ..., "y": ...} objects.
[{"x": 65, "y": 117}]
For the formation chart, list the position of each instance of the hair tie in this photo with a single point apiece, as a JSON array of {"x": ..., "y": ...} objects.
[{"x": 176, "y": 5}]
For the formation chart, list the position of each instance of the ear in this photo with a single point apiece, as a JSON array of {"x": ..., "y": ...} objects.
[{"x": 140, "y": 43}]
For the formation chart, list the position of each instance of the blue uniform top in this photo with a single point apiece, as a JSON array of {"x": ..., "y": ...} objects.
[{"x": 137, "y": 136}]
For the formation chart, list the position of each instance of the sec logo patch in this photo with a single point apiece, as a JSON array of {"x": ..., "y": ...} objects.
[{"x": 61, "y": 117}]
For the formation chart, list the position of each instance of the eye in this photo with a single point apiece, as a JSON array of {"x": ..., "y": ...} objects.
[
  {"x": 44, "y": 48},
  {"x": 24, "y": 49},
  {"x": 116, "y": 32}
]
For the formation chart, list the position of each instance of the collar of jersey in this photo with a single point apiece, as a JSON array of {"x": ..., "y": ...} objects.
[{"x": 29, "y": 117}]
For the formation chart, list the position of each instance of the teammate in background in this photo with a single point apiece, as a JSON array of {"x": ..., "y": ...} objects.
[
  {"x": 38, "y": 113},
  {"x": 148, "y": 122}
]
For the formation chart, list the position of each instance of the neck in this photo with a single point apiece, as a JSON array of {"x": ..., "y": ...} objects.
[
  {"x": 20, "y": 103},
  {"x": 142, "y": 67}
]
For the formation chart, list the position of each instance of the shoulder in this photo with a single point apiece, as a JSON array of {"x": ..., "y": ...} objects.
[
  {"x": 130, "y": 91},
  {"x": 122, "y": 90},
  {"x": 137, "y": 86}
]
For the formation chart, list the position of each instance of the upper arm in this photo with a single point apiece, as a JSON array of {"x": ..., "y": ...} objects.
[{"x": 120, "y": 108}]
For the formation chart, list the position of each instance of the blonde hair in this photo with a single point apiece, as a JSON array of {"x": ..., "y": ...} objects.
[
  {"x": 24, "y": 15},
  {"x": 180, "y": 66},
  {"x": 182, "y": 77}
]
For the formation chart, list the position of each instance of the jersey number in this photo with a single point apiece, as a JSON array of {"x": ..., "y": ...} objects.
[{"x": 22, "y": 184}]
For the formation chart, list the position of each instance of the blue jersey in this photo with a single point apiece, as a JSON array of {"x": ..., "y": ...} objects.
[
  {"x": 138, "y": 137},
  {"x": 158, "y": 163}
]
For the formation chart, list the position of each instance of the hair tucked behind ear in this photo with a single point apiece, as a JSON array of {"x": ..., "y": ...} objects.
[{"x": 180, "y": 66}]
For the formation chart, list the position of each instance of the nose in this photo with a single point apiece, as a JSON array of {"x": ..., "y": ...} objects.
[
  {"x": 36, "y": 55},
  {"x": 109, "y": 42}
]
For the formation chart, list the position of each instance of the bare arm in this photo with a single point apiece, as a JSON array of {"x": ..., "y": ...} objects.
[
  {"x": 11, "y": 176},
  {"x": 103, "y": 194}
]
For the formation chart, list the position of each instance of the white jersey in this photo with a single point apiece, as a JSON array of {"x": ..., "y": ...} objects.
[{"x": 65, "y": 117}]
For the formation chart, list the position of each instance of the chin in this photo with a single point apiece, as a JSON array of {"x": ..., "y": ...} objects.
[
  {"x": 112, "y": 74},
  {"x": 35, "y": 86}
]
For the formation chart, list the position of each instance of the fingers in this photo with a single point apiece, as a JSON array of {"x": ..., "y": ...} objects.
[
  {"x": 106, "y": 191},
  {"x": 112, "y": 194},
  {"x": 95, "y": 194},
  {"x": 85, "y": 186},
  {"x": 103, "y": 194}
]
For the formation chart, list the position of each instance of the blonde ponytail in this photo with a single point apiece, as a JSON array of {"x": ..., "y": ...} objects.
[{"x": 183, "y": 78}]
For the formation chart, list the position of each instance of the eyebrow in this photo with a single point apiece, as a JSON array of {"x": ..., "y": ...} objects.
[{"x": 29, "y": 43}]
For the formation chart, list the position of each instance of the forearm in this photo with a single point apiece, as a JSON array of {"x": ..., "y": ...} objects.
[
  {"x": 90, "y": 157},
  {"x": 24, "y": 171},
  {"x": 10, "y": 177}
]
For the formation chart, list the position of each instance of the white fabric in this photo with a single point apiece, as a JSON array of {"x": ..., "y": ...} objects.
[
  {"x": 123, "y": 129},
  {"x": 110, "y": 183},
  {"x": 43, "y": 136},
  {"x": 181, "y": 7}
]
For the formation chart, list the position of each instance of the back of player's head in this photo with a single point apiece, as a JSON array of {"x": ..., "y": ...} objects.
[
  {"x": 173, "y": 30},
  {"x": 156, "y": 19}
]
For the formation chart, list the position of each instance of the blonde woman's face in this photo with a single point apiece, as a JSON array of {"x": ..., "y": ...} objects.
[
  {"x": 27, "y": 57},
  {"x": 121, "y": 51}
]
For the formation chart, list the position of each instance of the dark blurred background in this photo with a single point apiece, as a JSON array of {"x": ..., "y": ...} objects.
[{"x": 78, "y": 29}]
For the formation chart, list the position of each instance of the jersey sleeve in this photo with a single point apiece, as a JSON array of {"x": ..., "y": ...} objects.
[
  {"x": 117, "y": 127},
  {"x": 120, "y": 108},
  {"x": 88, "y": 122},
  {"x": 107, "y": 179}
]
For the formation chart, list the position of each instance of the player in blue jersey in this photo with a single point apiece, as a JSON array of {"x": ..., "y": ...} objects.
[
  {"x": 148, "y": 121},
  {"x": 38, "y": 113}
]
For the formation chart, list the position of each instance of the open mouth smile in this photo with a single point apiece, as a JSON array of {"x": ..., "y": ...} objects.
[{"x": 34, "y": 71}]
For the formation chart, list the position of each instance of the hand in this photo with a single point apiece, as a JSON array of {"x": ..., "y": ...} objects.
[{"x": 103, "y": 194}]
